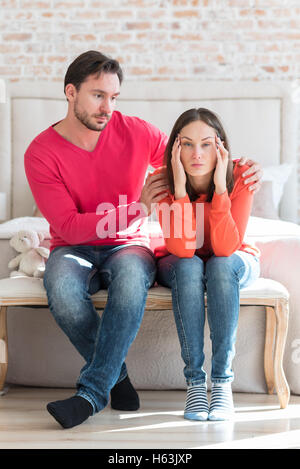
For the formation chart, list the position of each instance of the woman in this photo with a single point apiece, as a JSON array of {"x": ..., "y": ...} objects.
[{"x": 203, "y": 219}]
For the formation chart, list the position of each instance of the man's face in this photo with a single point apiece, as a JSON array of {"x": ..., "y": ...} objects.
[{"x": 95, "y": 100}]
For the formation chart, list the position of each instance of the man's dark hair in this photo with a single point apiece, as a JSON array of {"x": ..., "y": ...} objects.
[{"x": 90, "y": 63}]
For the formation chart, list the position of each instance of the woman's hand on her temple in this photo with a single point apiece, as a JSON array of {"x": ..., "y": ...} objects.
[
  {"x": 178, "y": 170},
  {"x": 221, "y": 167},
  {"x": 253, "y": 174}
]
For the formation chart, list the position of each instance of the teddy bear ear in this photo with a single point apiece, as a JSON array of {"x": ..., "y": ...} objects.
[
  {"x": 13, "y": 239},
  {"x": 41, "y": 236}
]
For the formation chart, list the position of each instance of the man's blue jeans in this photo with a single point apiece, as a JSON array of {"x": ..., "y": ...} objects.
[
  {"x": 221, "y": 278},
  {"x": 73, "y": 274}
]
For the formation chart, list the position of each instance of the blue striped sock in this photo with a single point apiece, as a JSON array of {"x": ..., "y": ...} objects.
[
  {"x": 221, "y": 403},
  {"x": 196, "y": 405}
]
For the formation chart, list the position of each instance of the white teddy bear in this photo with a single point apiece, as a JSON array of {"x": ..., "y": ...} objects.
[{"x": 31, "y": 261}]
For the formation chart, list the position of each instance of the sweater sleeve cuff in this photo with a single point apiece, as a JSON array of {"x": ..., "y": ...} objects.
[
  {"x": 221, "y": 202},
  {"x": 182, "y": 201},
  {"x": 179, "y": 214}
]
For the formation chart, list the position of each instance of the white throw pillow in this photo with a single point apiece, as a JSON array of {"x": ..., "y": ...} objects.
[
  {"x": 266, "y": 201},
  {"x": 263, "y": 202},
  {"x": 279, "y": 175},
  {"x": 11, "y": 227}
]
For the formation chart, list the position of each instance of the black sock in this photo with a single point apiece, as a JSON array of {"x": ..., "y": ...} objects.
[
  {"x": 124, "y": 396},
  {"x": 70, "y": 412}
]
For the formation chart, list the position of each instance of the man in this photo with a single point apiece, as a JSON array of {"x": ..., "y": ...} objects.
[{"x": 86, "y": 173}]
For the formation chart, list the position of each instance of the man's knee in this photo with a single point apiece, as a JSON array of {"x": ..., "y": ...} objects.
[
  {"x": 65, "y": 278},
  {"x": 130, "y": 270}
]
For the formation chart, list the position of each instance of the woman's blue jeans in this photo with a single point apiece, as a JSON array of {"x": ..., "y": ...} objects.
[
  {"x": 73, "y": 274},
  {"x": 221, "y": 278}
]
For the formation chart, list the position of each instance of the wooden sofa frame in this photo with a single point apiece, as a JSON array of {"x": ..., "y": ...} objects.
[{"x": 159, "y": 298}]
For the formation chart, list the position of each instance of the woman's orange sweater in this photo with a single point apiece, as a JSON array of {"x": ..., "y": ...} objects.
[{"x": 206, "y": 228}]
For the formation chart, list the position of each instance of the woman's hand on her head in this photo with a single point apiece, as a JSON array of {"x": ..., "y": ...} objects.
[
  {"x": 155, "y": 189},
  {"x": 253, "y": 174},
  {"x": 221, "y": 167},
  {"x": 178, "y": 170}
]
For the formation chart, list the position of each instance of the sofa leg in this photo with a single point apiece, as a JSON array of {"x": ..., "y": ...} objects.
[
  {"x": 268, "y": 353},
  {"x": 3, "y": 348},
  {"x": 281, "y": 385}
]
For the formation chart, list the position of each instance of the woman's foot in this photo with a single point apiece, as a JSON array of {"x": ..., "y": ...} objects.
[
  {"x": 196, "y": 406},
  {"x": 221, "y": 402}
]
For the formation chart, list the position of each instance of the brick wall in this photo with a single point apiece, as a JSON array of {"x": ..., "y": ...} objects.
[{"x": 154, "y": 39}]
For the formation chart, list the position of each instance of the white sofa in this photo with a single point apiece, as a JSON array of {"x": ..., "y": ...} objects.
[{"x": 261, "y": 122}]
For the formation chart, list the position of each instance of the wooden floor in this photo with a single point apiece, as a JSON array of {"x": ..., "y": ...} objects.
[{"x": 258, "y": 423}]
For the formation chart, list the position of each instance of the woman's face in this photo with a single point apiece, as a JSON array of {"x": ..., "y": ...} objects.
[{"x": 198, "y": 148}]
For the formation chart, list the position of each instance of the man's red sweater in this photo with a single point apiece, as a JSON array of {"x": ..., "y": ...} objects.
[{"x": 90, "y": 197}]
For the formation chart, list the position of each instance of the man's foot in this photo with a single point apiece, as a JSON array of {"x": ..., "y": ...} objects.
[
  {"x": 70, "y": 412},
  {"x": 123, "y": 396}
]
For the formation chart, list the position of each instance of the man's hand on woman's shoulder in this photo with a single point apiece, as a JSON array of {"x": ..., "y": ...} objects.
[{"x": 253, "y": 174}]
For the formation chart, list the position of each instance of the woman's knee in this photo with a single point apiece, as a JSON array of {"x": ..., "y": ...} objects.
[
  {"x": 223, "y": 268},
  {"x": 181, "y": 270},
  {"x": 240, "y": 267}
]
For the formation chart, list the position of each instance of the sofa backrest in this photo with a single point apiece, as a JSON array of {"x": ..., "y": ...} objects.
[{"x": 260, "y": 118}]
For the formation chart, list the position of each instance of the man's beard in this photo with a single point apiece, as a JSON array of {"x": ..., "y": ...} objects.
[{"x": 84, "y": 118}]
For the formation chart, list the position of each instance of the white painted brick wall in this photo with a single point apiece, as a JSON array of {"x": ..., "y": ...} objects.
[{"x": 154, "y": 39}]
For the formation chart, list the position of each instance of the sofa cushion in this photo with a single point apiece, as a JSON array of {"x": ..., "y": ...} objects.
[{"x": 30, "y": 291}]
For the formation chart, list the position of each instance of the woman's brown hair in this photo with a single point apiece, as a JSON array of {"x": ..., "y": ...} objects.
[{"x": 211, "y": 119}]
